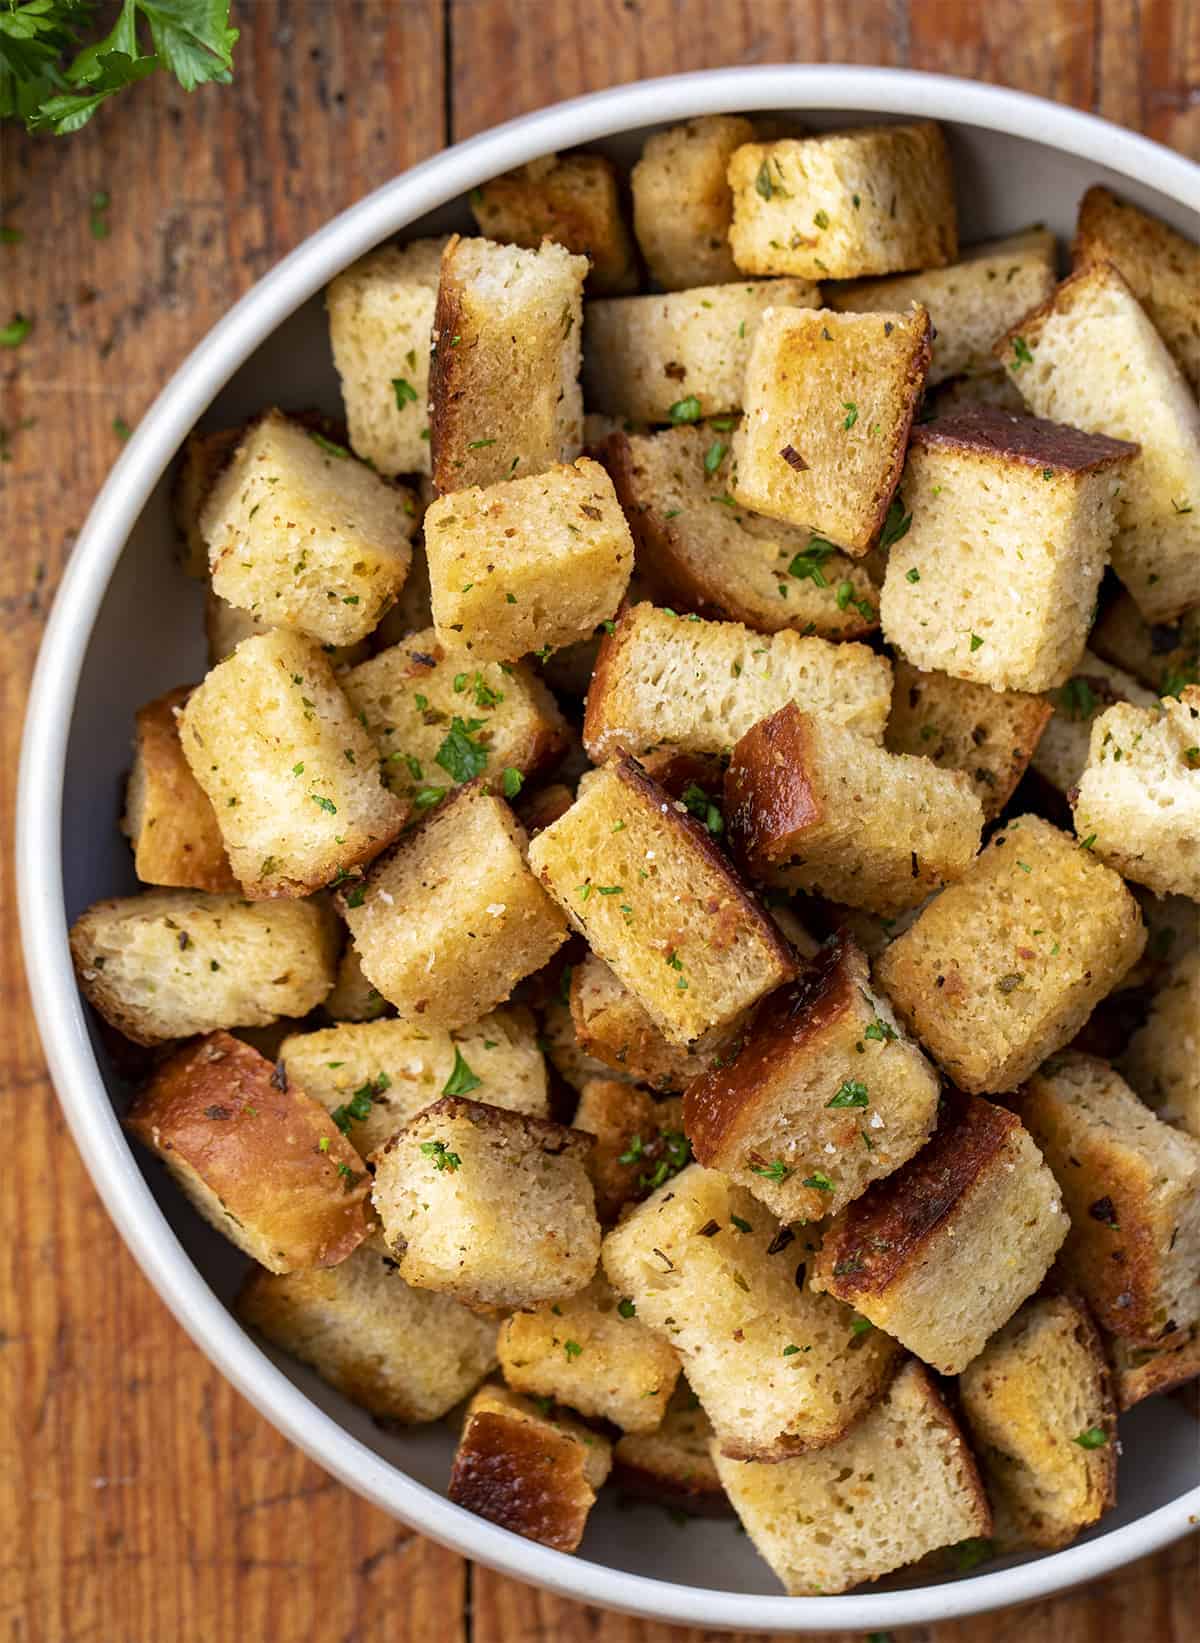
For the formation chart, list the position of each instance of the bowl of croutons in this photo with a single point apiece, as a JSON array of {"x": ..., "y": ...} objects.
[{"x": 605, "y": 850}]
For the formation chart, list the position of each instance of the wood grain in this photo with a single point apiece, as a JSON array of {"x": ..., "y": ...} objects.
[{"x": 141, "y": 1500}]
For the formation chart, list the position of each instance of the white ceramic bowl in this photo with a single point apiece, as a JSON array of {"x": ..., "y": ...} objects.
[{"x": 126, "y": 626}]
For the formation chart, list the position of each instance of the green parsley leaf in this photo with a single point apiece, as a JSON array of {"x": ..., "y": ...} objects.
[
  {"x": 1094, "y": 1437},
  {"x": 626, "y": 1308},
  {"x": 404, "y": 391},
  {"x": 775, "y": 1171},
  {"x": 462, "y": 757},
  {"x": 18, "y": 328},
  {"x": 850, "y": 408},
  {"x": 685, "y": 410},
  {"x": 1077, "y": 699},
  {"x": 969, "y": 1554},
  {"x": 895, "y": 525},
  {"x": 912, "y": 574},
  {"x": 762, "y": 182},
  {"x": 461, "y": 1080},
  {"x": 714, "y": 456},
  {"x": 851, "y": 1094},
  {"x": 881, "y": 1031},
  {"x": 572, "y": 1349},
  {"x": 512, "y": 782},
  {"x": 976, "y": 641},
  {"x": 819, "y": 1182},
  {"x": 1021, "y": 353},
  {"x": 442, "y": 1159},
  {"x": 807, "y": 564},
  {"x": 323, "y": 803},
  {"x": 329, "y": 446}
]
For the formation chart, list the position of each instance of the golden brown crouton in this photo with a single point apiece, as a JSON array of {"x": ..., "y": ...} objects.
[
  {"x": 168, "y": 817},
  {"x": 612, "y": 1024},
  {"x": 1162, "y": 1060},
  {"x": 682, "y": 204},
  {"x": 672, "y": 1465},
  {"x": 639, "y": 1143},
  {"x": 572, "y": 199}
]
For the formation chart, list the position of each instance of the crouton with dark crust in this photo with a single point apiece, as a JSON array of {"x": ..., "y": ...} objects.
[
  {"x": 572, "y": 199},
  {"x": 169, "y": 819},
  {"x": 639, "y": 1143}
]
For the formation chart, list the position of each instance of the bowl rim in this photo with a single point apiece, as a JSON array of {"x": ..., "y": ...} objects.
[{"x": 57, "y": 1006}]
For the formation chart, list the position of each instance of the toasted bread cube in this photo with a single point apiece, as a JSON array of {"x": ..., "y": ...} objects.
[
  {"x": 225, "y": 626},
  {"x": 678, "y": 357},
  {"x": 1162, "y": 1060},
  {"x": 1138, "y": 801},
  {"x": 662, "y": 680},
  {"x": 380, "y": 325},
  {"x": 639, "y": 1143},
  {"x": 1140, "y": 1372},
  {"x": 291, "y": 773},
  {"x": 1062, "y": 753},
  {"x": 171, "y": 963},
  {"x": 1160, "y": 266},
  {"x": 492, "y": 1206},
  {"x": 901, "y": 1484},
  {"x": 658, "y": 903},
  {"x": 1039, "y": 1406},
  {"x": 263, "y": 1164},
  {"x": 1004, "y": 967},
  {"x": 1012, "y": 520},
  {"x": 720, "y": 561},
  {"x": 823, "y": 1096},
  {"x": 971, "y": 302},
  {"x": 504, "y": 395},
  {"x": 682, "y": 203},
  {"x": 829, "y": 402},
  {"x": 527, "y": 564},
  {"x": 813, "y": 806},
  {"x": 778, "y": 1368},
  {"x": 989, "y": 735},
  {"x": 568, "y": 1059},
  {"x": 841, "y": 204},
  {"x": 352, "y": 997},
  {"x": 612, "y": 1024},
  {"x": 204, "y": 456},
  {"x": 168, "y": 817},
  {"x": 995, "y": 387},
  {"x": 1132, "y": 1187},
  {"x": 672, "y": 1465},
  {"x": 532, "y": 1473},
  {"x": 1163, "y": 657},
  {"x": 572, "y": 199},
  {"x": 943, "y": 1252},
  {"x": 403, "y": 1354},
  {"x": 1091, "y": 357}
]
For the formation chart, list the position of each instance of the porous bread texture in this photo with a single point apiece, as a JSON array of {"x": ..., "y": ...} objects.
[
  {"x": 1062, "y": 752},
  {"x": 403, "y": 1354},
  {"x": 225, "y": 626},
  {"x": 613, "y": 1025},
  {"x": 491, "y": 1206},
  {"x": 291, "y": 773},
  {"x": 450, "y": 920},
  {"x": 1012, "y": 518},
  {"x": 263, "y": 1164},
  {"x": 1162, "y": 1060},
  {"x": 544, "y": 805},
  {"x": 569, "y": 1061},
  {"x": 527, "y": 564},
  {"x": 204, "y": 455},
  {"x": 655, "y": 899},
  {"x": 994, "y": 387},
  {"x": 778, "y": 1368},
  {"x": 1004, "y": 967},
  {"x": 380, "y": 324},
  {"x": 1162, "y": 656},
  {"x": 302, "y": 535},
  {"x": 375, "y": 1076},
  {"x": 504, "y": 395},
  {"x": 672, "y": 1465},
  {"x": 704, "y": 553},
  {"x": 170, "y": 963},
  {"x": 829, "y": 402},
  {"x": 1038, "y": 1387},
  {"x": 168, "y": 818},
  {"x": 682, "y": 203},
  {"x": 664, "y": 680},
  {"x": 944, "y": 1250},
  {"x": 1138, "y": 799},
  {"x": 970, "y": 303},
  {"x": 352, "y": 997},
  {"x": 1140, "y": 1372},
  {"x": 639, "y": 1142},
  {"x": 902, "y": 1483},
  {"x": 989, "y": 735},
  {"x": 841, "y": 204},
  {"x": 592, "y": 1354},
  {"x": 1132, "y": 1187},
  {"x": 823, "y": 1095},
  {"x": 682, "y": 355},
  {"x": 813, "y": 806},
  {"x": 1091, "y": 357},
  {"x": 572, "y": 199}
]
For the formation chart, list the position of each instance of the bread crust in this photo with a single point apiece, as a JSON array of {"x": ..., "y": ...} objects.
[
  {"x": 1032, "y": 441},
  {"x": 169, "y": 819},
  {"x": 523, "y": 1475},
  {"x": 769, "y": 793}
]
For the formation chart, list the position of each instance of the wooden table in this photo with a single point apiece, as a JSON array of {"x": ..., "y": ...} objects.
[{"x": 141, "y": 1500}]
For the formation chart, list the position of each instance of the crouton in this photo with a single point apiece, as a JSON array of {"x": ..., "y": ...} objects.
[
  {"x": 291, "y": 773},
  {"x": 970, "y": 303},
  {"x": 672, "y": 1465},
  {"x": 943, "y": 1252},
  {"x": 204, "y": 456},
  {"x": 1162, "y": 656},
  {"x": 225, "y": 626},
  {"x": 572, "y": 199},
  {"x": 168, "y": 818},
  {"x": 170, "y": 963},
  {"x": 352, "y": 997},
  {"x": 778, "y": 1368},
  {"x": 663, "y": 680},
  {"x": 380, "y": 324},
  {"x": 1139, "y": 1372},
  {"x": 822, "y": 1096},
  {"x": 966, "y": 591},
  {"x": 843, "y": 204},
  {"x": 682, "y": 204},
  {"x": 989, "y": 735},
  {"x": 491, "y": 1206},
  {"x": 1004, "y": 967},
  {"x": 613, "y": 1025},
  {"x": 1163, "y": 1056},
  {"x": 1039, "y": 1406},
  {"x": 532, "y": 1473},
  {"x": 639, "y": 1143},
  {"x": 682, "y": 356},
  {"x": 1132, "y": 1188},
  {"x": 901, "y": 1484},
  {"x": 813, "y": 806},
  {"x": 1062, "y": 752},
  {"x": 995, "y": 387},
  {"x": 263, "y": 1164},
  {"x": 537, "y": 810},
  {"x": 655, "y": 899},
  {"x": 705, "y": 554},
  {"x": 829, "y": 401},
  {"x": 504, "y": 395},
  {"x": 568, "y": 1059},
  {"x": 403, "y": 1354},
  {"x": 1090, "y": 357}
]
